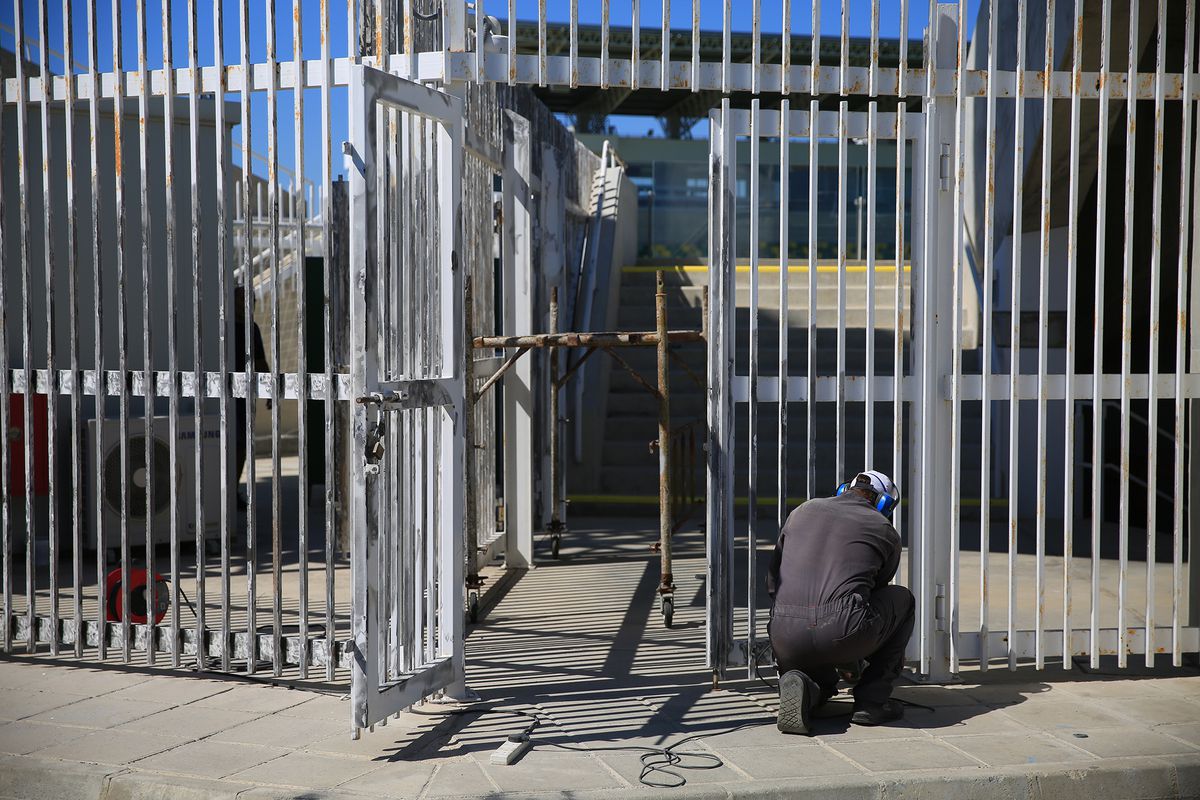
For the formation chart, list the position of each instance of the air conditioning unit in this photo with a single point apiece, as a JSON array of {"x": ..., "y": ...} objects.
[{"x": 137, "y": 473}]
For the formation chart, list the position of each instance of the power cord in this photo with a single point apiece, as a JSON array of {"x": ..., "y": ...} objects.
[{"x": 664, "y": 761}]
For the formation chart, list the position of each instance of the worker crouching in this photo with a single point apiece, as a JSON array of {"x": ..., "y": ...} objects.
[{"x": 832, "y": 604}]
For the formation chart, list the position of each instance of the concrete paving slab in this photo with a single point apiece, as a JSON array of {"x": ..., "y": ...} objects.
[
  {"x": 21, "y": 703},
  {"x": 1006, "y": 749},
  {"x": 209, "y": 759},
  {"x": 1154, "y": 710},
  {"x": 394, "y": 780},
  {"x": 305, "y": 770},
  {"x": 65, "y": 677},
  {"x": 22, "y": 737},
  {"x": 1063, "y": 715},
  {"x": 789, "y": 761},
  {"x": 281, "y": 732},
  {"x": 253, "y": 697},
  {"x": 110, "y": 747},
  {"x": 546, "y": 771},
  {"x": 99, "y": 712},
  {"x": 886, "y": 756},
  {"x": 192, "y": 722},
  {"x": 1188, "y": 732},
  {"x": 1114, "y": 743},
  {"x": 460, "y": 777},
  {"x": 171, "y": 690}
]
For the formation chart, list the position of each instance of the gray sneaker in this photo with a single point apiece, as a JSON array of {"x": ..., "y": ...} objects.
[{"x": 798, "y": 695}]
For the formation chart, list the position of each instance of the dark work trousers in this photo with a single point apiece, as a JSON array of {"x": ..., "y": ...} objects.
[{"x": 815, "y": 639}]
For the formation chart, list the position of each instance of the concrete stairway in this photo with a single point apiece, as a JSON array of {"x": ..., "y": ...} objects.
[{"x": 628, "y": 471}]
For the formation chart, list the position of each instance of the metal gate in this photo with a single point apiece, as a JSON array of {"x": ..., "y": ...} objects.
[
  {"x": 956, "y": 409},
  {"x": 740, "y": 380},
  {"x": 406, "y": 317}
]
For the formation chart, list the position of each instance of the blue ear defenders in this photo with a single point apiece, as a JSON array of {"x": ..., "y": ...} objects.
[{"x": 884, "y": 503}]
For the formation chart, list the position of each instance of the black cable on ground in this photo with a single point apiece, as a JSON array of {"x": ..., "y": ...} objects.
[{"x": 655, "y": 760}]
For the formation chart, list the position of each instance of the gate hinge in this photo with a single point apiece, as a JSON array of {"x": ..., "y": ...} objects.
[{"x": 939, "y": 607}]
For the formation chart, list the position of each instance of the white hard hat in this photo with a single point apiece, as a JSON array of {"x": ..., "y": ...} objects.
[{"x": 887, "y": 494}]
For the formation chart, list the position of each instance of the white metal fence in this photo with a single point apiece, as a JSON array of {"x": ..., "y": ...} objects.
[{"x": 91, "y": 251}]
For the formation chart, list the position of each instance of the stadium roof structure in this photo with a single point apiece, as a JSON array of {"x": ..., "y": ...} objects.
[{"x": 678, "y": 110}]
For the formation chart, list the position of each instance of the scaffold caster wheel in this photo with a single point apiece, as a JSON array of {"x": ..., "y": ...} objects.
[
  {"x": 555, "y": 540},
  {"x": 668, "y": 609},
  {"x": 473, "y": 608}
]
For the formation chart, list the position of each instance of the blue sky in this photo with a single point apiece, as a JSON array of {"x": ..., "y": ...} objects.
[{"x": 557, "y": 10}]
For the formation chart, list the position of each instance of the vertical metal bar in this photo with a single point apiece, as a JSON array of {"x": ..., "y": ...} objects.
[
  {"x": 898, "y": 289},
  {"x": 122, "y": 328},
  {"x": 726, "y": 46},
  {"x": 332, "y": 531},
  {"x": 1126, "y": 330},
  {"x": 1014, "y": 339},
  {"x": 512, "y": 37},
  {"x": 815, "y": 52},
  {"x": 197, "y": 320},
  {"x": 541, "y": 42},
  {"x": 666, "y": 45},
  {"x": 362, "y": 370},
  {"x": 810, "y": 403},
  {"x": 960, "y": 63},
  {"x": 26, "y": 328},
  {"x": 101, "y": 387},
  {"x": 574, "y": 46},
  {"x": 172, "y": 317},
  {"x": 1152, "y": 431},
  {"x": 301, "y": 335},
  {"x": 755, "y": 44},
  {"x": 696, "y": 45},
  {"x": 1043, "y": 345},
  {"x": 923, "y": 556},
  {"x": 76, "y": 400},
  {"x": 480, "y": 39},
  {"x": 781, "y": 463},
  {"x": 1098, "y": 327},
  {"x": 785, "y": 50},
  {"x": 1181, "y": 317},
  {"x": 6, "y": 550},
  {"x": 51, "y": 365},
  {"x": 604, "y": 56},
  {"x": 844, "y": 64},
  {"x": 248, "y": 344},
  {"x": 842, "y": 144},
  {"x": 986, "y": 344},
  {"x": 752, "y": 410},
  {"x": 223, "y": 322},
  {"x": 869, "y": 386},
  {"x": 872, "y": 165},
  {"x": 148, "y": 339},
  {"x": 635, "y": 50},
  {"x": 276, "y": 350},
  {"x": 1070, "y": 367},
  {"x": 666, "y": 451}
]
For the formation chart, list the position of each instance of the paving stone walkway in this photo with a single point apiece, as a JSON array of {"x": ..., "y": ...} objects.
[{"x": 579, "y": 646}]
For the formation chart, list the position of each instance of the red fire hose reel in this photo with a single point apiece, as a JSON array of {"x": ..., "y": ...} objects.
[{"x": 141, "y": 598}]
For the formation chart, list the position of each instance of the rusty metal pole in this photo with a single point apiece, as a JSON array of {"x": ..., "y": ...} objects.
[
  {"x": 470, "y": 507},
  {"x": 556, "y": 524},
  {"x": 666, "y": 586}
]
